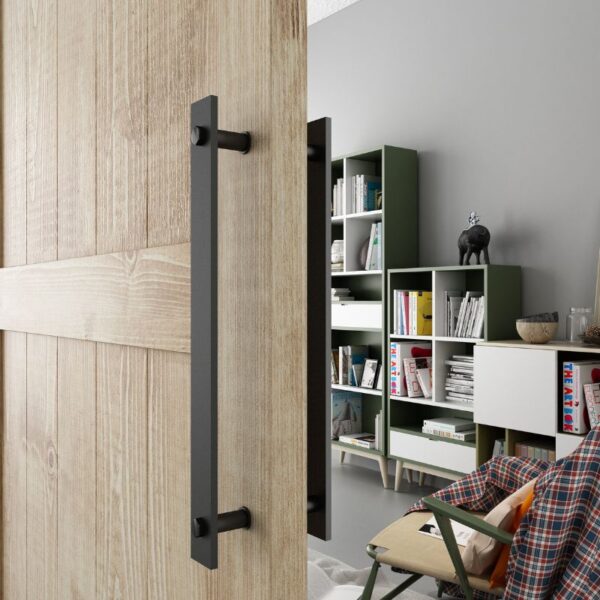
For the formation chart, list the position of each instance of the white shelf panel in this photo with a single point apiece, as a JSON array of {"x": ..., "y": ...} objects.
[
  {"x": 346, "y": 273},
  {"x": 337, "y": 219},
  {"x": 356, "y": 389},
  {"x": 394, "y": 336},
  {"x": 431, "y": 402},
  {"x": 458, "y": 339},
  {"x": 371, "y": 215}
]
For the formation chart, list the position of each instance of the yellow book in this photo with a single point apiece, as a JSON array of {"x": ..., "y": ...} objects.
[{"x": 424, "y": 313}]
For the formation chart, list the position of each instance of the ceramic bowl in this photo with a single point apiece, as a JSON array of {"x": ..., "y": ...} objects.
[{"x": 536, "y": 333}]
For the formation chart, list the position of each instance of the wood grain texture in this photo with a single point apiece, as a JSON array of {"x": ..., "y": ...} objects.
[
  {"x": 135, "y": 298},
  {"x": 76, "y": 144},
  {"x": 122, "y": 498},
  {"x": 14, "y": 133},
  {"x": 178, "y": 41},
  {"x": 171, "y": 572},
  {"x": 42, "y": 84},
  {"x": 42, "y": 467},
  {"x": 14, "y": 466},
  {"x": 76, "y": 537},
  {"x": 262, "y": 237},
  {"x": 122, "y": 126}
]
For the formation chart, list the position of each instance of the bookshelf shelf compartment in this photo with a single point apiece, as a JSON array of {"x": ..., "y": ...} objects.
[{"x": 354, "y": 449}]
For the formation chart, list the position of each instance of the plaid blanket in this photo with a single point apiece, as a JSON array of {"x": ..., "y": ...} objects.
[{"x": 556, "y": 550}]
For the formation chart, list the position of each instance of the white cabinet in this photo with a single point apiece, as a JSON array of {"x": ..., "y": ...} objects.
[
  {"x": 356, "y": 315},
  {"x": 516, "y": 388},
  {"x": 432, "y": 451},
  {"x": 567, "y": 443}
]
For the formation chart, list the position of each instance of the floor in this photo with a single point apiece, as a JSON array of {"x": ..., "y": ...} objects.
[{"x": 361, "y": 508}]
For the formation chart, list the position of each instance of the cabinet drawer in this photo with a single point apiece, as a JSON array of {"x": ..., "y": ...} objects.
[
  {"x": 516, "y": 388},
  {"x": 359, "y": 315},
  {"x": 434, "y": 452}
]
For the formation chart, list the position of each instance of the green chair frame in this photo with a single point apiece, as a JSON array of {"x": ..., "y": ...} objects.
[{"x": 444, "y": 513}]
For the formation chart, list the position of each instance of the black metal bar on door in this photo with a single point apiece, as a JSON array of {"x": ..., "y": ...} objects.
[
  {"x": 319, "y": 329},
  {"x": 206, "y": 522}
]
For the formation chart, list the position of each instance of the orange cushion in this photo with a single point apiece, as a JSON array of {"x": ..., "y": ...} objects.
[{"x": 498, "y": 576}]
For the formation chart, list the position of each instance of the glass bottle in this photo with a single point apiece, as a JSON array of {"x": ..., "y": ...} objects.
[{"x": 578, "y": 321}]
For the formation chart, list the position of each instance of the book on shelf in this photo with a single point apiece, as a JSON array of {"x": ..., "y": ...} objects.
[
  {"x": 460, "y": 436},
  {"x": 338, "y": 198},
  {"x": 364, "y": 193},
  {"x": 449, "y": 424},
  {"x": 357, "y": 374},
  {"x": 465, "y": 314},
  {"x": 335, "y": 361},
  {"x": 411, "y": 368},
  {"x": 346, "y": 413},
  {"x": 592, "y": 401},
  {"x": 341, "y": 295},
  {"x": 379, "y": 431},
  {"x": 373, "y": 262},
  {"x": 424, "y": 377},
  {"x": 369, "y": 374},
  {"x": 536, "y": 449},
  {"x": 351, "y": 355},
  {"x": 379, "y": 385},
  {"x": 412, "y": 312},
  {"x": 499, "y": 445},
  {"x": 460, "y": 380},
  {"x": 398, "y": 352},
  {"x": 362, "y": 440},
  {"x": 576, "y": 374}
]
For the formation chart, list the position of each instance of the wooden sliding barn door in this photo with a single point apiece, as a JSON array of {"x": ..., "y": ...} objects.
[{"x": 95, "y": 288}]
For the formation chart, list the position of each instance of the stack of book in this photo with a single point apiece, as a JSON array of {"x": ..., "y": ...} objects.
[
  {"x": 576, "y": 376},
  {"x": 536, "y": 449},
  {"x": 361, "y": 440},
  {"x": 351, "y": 366},
  {"x": 460, "y": 379},
  {"x": 465, "y": 314},
  {"x": 338, "y": 197},
  {"x": 399, "y": 351},
  {"x": 365, "y": 194},
  {"x": 374, "y": 250},
  {"x": 412, "y": 312},
  {"x": 341, "y": 295},
  {"x": 452, "y": 428}
]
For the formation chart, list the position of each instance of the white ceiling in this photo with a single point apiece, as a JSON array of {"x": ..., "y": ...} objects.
[{"x": 319, "y": 9}]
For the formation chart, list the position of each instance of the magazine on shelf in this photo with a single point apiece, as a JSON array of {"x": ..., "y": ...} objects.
[
  {"x": 424, "y": 377},
  {"x": 369, "y": 373},
  {"x": 411, "y": 366},
  {"x": 398, "y": 352},
  {"x": 346, "y": 413},
  {"x": 592, "y": 400},
  {"x": 461, "y": 436}
]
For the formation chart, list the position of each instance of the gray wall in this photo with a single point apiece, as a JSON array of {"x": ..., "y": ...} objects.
[{"x": 502, "y": 100}]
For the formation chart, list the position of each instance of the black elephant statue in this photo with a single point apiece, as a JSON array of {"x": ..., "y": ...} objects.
[{"x": 474, "y": 240}]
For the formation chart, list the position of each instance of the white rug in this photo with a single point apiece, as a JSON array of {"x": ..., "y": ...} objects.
[{"x": 331, "y": 579}]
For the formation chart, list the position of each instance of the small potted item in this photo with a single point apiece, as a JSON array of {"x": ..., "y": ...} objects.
[{"x": 538, "y": 329}]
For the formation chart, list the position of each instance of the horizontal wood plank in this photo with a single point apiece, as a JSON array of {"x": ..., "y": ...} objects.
[{"x": 138, "y": 298}]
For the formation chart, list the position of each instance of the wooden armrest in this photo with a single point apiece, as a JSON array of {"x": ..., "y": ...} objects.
[{"x": 437, "y": 507}]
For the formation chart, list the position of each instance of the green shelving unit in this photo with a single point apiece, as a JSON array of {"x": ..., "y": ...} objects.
[
  {"x": 501, "y": 288},
  {"x": 364, "y": 321}
]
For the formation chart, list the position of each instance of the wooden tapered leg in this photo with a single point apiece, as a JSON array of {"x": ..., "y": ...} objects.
[
  {"x": 342, "y": 457},
  {"x": 383, "y": 467},
  {"x": 398, "y": 480},
  {"x": 421, "y": 478},
  {"x": 409, "y": 475}
]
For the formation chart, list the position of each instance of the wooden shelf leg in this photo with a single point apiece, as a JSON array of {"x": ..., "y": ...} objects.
[
  {"x": 398, "y": 480},
  {"x": 409, "y": 475},
  {"x": 383, "y": 467},
  {"x": 421, "y": 478},
  {"x": 342, "y": 457}
]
